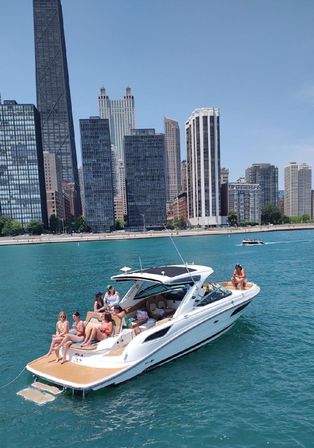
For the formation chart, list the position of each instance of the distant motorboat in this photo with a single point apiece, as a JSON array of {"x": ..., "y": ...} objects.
[{"x": 252, "y": 242}]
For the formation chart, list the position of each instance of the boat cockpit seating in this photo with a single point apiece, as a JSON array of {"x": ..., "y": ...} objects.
[{"x": 157, "y": 308}]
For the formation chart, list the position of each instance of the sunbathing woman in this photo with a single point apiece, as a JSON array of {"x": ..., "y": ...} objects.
[
  {"x": 76, "y": 334},
  {"x": 62, "y": 328},
  {"x": 99, "y": 333}
]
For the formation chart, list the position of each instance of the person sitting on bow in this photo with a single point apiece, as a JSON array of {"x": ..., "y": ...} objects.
[{"x": 239, "y": 277}]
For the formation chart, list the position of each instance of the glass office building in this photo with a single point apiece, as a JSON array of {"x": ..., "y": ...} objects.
[
  {"x": 22, "y": 183},
  {"x": 144, "y": 152},
  {"x": 53, "y": 90},
  {"x": 97, "y": 174}
]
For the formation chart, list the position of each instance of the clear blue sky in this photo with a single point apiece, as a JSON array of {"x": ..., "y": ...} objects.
[{"x": 253, "y": 59}]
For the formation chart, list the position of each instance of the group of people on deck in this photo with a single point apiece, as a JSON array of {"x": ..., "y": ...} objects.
[
  {"x": 107, "y": 305},
  {"x": 65, "y": 336}
]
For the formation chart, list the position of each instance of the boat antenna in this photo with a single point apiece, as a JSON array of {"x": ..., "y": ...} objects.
[
  {"x": 139, "y": 258},
  {"x": 178, "y": 252}
]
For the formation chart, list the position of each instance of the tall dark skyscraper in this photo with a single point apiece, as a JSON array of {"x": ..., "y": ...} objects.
[
  {"x": 266, "y": 175},
  {"x": 97, "y": 174},
  {"x": 144, "y": 153},
  {"x": 53, "y": 90}
]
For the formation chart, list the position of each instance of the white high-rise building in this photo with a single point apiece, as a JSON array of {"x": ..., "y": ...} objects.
[
  {"x": 121, "y": 116},
  {"x": 304, "y": 189},
  {"x": 298, "y": 187},
  {"x": 173, "y": 158},
  {"x": 291, "y": 190},
  {"x": 203, "y": 167}
]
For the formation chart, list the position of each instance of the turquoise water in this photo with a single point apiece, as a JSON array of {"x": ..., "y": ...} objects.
[{"x": 253, "y": 387}]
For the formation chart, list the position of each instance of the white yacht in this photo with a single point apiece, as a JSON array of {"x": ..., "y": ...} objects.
[{"x": 185, "y": 310}]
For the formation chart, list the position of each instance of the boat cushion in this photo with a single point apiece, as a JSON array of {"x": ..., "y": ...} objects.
[{"x": 157, "y": 308}]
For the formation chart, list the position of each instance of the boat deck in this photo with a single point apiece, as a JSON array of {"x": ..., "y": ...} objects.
[
  {"x": 230, "y": 286},
  {"x": 75, "y": 374}
]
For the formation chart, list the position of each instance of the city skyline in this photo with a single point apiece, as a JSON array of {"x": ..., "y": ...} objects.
[{"x": 261, "y": 81}]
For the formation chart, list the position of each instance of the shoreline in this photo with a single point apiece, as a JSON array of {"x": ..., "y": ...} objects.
[{"x": 121, "y": 235}]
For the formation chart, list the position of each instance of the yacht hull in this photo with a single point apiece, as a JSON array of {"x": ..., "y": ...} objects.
[{"x": 176, "y": 338}]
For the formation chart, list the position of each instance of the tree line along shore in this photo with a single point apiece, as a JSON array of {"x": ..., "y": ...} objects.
[{"x": 123, "y": 235}]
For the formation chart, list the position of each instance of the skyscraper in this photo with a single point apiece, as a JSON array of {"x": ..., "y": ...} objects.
[
  {"x": 173, "y": 158},
  {"x": 298, "y": 189},
  {"x": 22, "y": 183},
  {"x": 304, "y": 190},
  {"x": 203, "y": 167},
  {"x": 97, "y": 174},
  {"x": 291, "y": 206},
  {"x": 266, "y": 175},
  {"x": 53, "y": 90},
  {"x": 145, "y": 178},
  {"x": 121, "y": 116},
  {"x": 183, "y": 176}
]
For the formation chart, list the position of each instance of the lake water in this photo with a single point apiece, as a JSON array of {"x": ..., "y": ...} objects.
[{"x": 253, "y": 387}]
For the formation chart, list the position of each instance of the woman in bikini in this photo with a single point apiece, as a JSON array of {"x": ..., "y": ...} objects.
[
  {"x": 62, "y": 328},
  {"x": 76, "y": 334},
  {"x": 101, "y": 332}
]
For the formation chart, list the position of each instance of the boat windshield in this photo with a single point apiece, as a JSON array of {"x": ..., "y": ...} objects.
[
  {"x": 148, "y": 289},
  {"x": 214, "y": 292}
]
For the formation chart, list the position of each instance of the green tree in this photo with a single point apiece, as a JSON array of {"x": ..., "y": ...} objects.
[
  {"x": 3, "y": 221},
  {"x": 69, "y": 224},
  {"x": 35, "y": 227},
  {"x": 296, "y": 219},
  {"x": 179, "y": 223},
  {"x": 80, "y": 225},
  {"x": 12, "y": 228},
  {"x": 271, "y": 215},
  {"x": 54, "y": 224},
  {"x": 305, "y": 218},
  {"x": 285, "y": 219},
  {"x": 232, "y": 218},
  {"x": 120, "y": 224}
]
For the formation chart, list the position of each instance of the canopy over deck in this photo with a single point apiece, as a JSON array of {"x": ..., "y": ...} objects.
[{"x": 167, "y": 274}]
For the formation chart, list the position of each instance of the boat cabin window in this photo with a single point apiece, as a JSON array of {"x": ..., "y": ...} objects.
[
  {"x": 171, "y": 292},
  {"x": 213, "y": 292}
]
